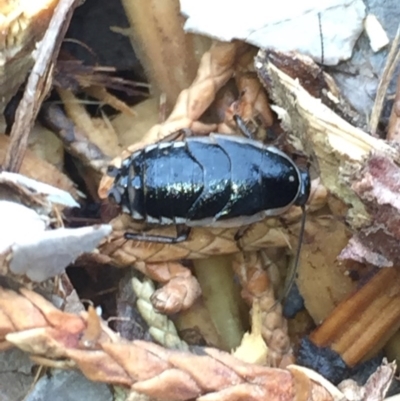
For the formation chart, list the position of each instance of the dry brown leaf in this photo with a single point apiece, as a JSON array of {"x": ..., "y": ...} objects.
[
  {"x": 40, "y": 170},
  {"x": 45, "y": 145},
  {"x": 23, "y": 24},
  {"x": 320, "y": 269}
]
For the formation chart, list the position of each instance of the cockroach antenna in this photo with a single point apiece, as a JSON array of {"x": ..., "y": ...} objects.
[
  {"x": 292, "y": 273},
  {"x": 321, "y": 37}
]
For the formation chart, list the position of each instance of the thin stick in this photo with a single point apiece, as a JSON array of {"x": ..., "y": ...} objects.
[
  {"x": 391, "y": 63},
  {"x": 39, "y": 83}
]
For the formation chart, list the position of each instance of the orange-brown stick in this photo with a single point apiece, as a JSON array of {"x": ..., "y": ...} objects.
[{"x": 365, "y": 320}]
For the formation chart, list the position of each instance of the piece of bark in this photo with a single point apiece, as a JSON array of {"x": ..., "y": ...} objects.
[
  {"x": 315, "y": 81},
  {"x": 338, "y": 150},
  {"x": 38, "y": 84},
  {"x": 378, "y": 186}
]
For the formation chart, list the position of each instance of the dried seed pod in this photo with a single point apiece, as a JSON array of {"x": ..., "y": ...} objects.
[{"x": 146, "y": 367}]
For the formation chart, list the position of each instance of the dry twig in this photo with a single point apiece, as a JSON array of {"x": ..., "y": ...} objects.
[
  {"x": 101, "y": 93},
  {"x": 393, "y": 131},
  {"x": 74, "y": 140},
  {"x": 348, "y": 329},
  {"x": 392, "y": 61},
  {"x": 38, "y": 84}
]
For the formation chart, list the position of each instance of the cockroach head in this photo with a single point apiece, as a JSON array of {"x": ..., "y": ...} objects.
[{"x": 117, "y": 193}]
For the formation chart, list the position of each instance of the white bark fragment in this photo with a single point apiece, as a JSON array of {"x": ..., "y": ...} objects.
[
  {"x": 39, "y": 253},
  {"x": 285, "y": 25},
  {"x": 378, "y": 38},
  {"x": 50, "y": 252},
  {"x": 53, "y": 194},
  {"x": 17, "y": 223}
]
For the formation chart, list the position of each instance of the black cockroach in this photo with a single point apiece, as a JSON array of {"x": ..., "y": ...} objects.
[{"x": 214, "y": 181}]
